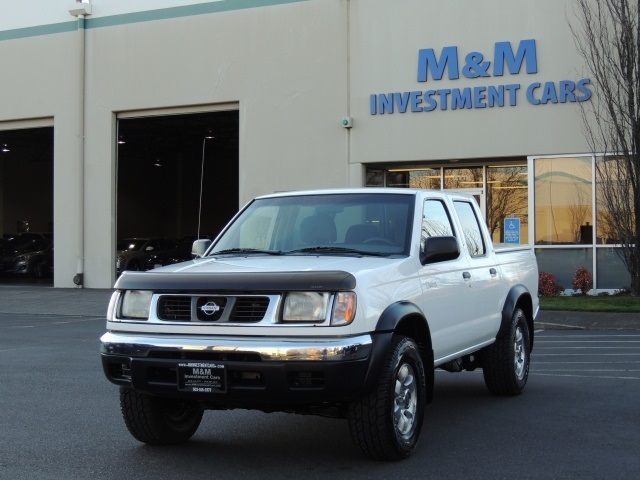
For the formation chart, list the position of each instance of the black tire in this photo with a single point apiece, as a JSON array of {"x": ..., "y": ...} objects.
[
  {"x": 159, "y": 421},
  {"x": 505, "y": 364},
  {"x": 386, "y": 424}
]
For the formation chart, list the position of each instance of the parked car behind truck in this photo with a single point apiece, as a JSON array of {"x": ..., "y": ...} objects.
[{"x": 336, "y": 302}]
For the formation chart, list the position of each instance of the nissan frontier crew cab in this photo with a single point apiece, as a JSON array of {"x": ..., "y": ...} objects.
[{"x": 336, "y": 302}]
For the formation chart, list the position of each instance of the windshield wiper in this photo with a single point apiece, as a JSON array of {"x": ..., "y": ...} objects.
[
  {"x": 337, "y": 250},
  {"x": 245, "y": 251}
]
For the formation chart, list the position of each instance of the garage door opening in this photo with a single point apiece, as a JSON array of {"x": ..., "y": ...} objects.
[
  {"x": 177, "y": 179},
  {"x": 26, "y": 206}
]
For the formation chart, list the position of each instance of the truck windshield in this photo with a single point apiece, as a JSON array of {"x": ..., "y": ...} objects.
[{"x": 330, "y": 224}]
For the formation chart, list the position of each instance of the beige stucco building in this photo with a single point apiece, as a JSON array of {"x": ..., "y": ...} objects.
[{"x": 483, "y": 97}]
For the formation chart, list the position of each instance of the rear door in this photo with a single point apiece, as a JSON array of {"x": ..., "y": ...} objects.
[{"x": 485, "y": 278}]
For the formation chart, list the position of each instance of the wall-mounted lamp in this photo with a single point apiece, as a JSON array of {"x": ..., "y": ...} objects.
[
  {"x": 81, "y": 7},
  {"x": 158, "y": 163},
  {"x": 5, "y": 148},
  {"x": 121, "y": 140}
]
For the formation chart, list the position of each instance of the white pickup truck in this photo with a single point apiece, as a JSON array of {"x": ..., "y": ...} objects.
[{"x": 335, "y": 302}]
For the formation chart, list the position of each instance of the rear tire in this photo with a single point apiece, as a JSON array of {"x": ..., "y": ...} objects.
[
  {"x": 505, "y": 364},
  {"x": 157, "y": 420},
  {"x": 386, "y": 423}
]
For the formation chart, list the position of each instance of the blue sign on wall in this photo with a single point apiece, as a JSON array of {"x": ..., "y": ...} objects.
[
  {"x": 511, "y": 230},
  {"x": 451, "y": 62}
]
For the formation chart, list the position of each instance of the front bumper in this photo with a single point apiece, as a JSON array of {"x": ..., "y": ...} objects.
[{"x": 264, "y": 373}]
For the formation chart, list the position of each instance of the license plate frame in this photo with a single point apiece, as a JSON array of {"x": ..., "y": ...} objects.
[{"x": 202, "y": 377}]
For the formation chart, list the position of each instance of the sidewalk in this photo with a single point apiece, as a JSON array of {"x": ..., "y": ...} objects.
[{"x": 39, "y": 300}]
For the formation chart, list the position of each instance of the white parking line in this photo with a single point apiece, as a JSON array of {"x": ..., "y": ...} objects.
[
  {"x": 44, "y": 324},
  {"x": 582, "y": 376}
]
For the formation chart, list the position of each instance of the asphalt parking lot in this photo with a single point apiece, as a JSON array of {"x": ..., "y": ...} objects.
[{"x": 577, "y": 419}]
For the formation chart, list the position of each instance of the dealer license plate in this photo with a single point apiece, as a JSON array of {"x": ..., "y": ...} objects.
[{"x": 202, "y": 377}]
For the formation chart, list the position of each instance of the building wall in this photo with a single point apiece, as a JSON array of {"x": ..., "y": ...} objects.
[
  {"x": 293, "y": 69},
  {"x": 386, "y": 37}
]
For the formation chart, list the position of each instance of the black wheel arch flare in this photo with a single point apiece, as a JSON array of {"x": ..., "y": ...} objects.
[
  {"x": 518, "y": 297},
  {"x": 404, "y": 318}
]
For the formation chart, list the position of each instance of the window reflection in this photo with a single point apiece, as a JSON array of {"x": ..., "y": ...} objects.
[
  {"x": 428, "y": 178},
  {"x": 614, "y": 202},
  {"x": 563, "y": 201},
  {"x": 507, "y": 197},
  {"x": 463, "y": 177}
]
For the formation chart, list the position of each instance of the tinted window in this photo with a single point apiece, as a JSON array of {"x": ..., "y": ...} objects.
[
  {"x": 435, "y": 220},
  {"x": 470, "y": 228}
]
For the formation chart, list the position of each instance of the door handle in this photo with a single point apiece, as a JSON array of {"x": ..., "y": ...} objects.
[{"x": 466, "y": 275}]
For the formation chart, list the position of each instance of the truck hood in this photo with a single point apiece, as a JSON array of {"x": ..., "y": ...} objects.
[{"x": 285, "y": 263}]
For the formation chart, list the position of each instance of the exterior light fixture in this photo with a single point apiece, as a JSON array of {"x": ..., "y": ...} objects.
[
  {"x": 80, "y": 7},
  {"x": 157, "y": 163},
  {"x": 5, "y": 148},
  {"x": 121, "y": 140}
]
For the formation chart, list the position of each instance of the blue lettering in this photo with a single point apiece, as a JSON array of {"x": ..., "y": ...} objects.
[
  {"x": 566, "y": 91},
  {"x": 582, "y": 86},
  {"x": 402, "y": 101},
  {"x": 504, "y": 52},
  {"x": 512, "y": 88},
  {"x": 373, "y": 104},
  {"x": 385, "y": 103},
  {"x": 496, "y": 95},
  {"x": 533, "y": 100},
  {"x": 443, "y": 97},
  {"x": 549, "y": 93},
  {"x": 431, "y": 103},
  {"x": 427, "y": 61},
  {"x": 479, "y": 97},
  {"x": 474, "y": 66},
  {"x": 416, "y": 101},
  {"x": 461, "y": 98}
]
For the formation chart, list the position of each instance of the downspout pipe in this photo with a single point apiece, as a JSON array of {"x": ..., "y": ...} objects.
[{"x": 80, "y": 10}]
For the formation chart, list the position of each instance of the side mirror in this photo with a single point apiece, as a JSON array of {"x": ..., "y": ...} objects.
[
  {"x": 439, "y": 249},
  {"x": 199, "y": 247}
]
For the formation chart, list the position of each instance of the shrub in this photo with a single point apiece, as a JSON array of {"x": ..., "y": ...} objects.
[
  {"x": 582, "y": 280},
  {"x": 548, "y": 285}
]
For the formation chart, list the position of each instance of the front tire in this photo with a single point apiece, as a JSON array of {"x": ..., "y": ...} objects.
[
  {"x": 386, "y": 424},
  {"x": 159, "y": 421},
  {"x": 506, "y": 363}
]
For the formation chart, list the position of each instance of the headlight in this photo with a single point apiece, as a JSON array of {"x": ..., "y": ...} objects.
[
  {"x": 314, "y": 306},
  {"x": 136, "y": 304},
  {"x": 305, "y": 307}
]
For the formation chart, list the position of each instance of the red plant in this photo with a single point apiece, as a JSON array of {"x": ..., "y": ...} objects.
[
  {"x": 548, "y": 285},
  {"x": 582, "y": 280}
]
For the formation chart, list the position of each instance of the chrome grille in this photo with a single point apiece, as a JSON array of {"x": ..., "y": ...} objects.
[
  {"x": 212, "y": 309},
  {"x": 249, "y": 309},
  {"x": 174, "y": 308}
]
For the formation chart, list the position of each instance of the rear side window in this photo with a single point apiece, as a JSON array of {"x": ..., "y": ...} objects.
[
  {"x": 470, "y": 228},
  {"x": 435, "y": 220}
]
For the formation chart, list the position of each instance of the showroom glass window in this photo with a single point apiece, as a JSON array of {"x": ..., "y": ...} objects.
[
  {"x": 507, "y": 197},
  {"x": 563, "y": 201}
]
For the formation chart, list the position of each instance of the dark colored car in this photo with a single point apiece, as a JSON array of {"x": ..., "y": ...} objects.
[
  {"x": 27, "y": 254},
  {"x": 146, "y": 253}
]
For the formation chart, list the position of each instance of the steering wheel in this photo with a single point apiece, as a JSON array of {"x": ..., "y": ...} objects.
[{"x": 378, "y": 241}]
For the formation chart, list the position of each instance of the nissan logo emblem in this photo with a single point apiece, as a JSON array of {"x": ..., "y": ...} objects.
[{"x": 210, "y": 308}]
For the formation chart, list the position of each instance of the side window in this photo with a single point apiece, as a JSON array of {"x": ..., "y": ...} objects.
[
  {"x": 435, "y": 220},
  {"x": 470, "y": 228}
]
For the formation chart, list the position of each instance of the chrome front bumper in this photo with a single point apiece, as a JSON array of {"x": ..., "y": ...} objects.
[{"x": 277, "y": 349}]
